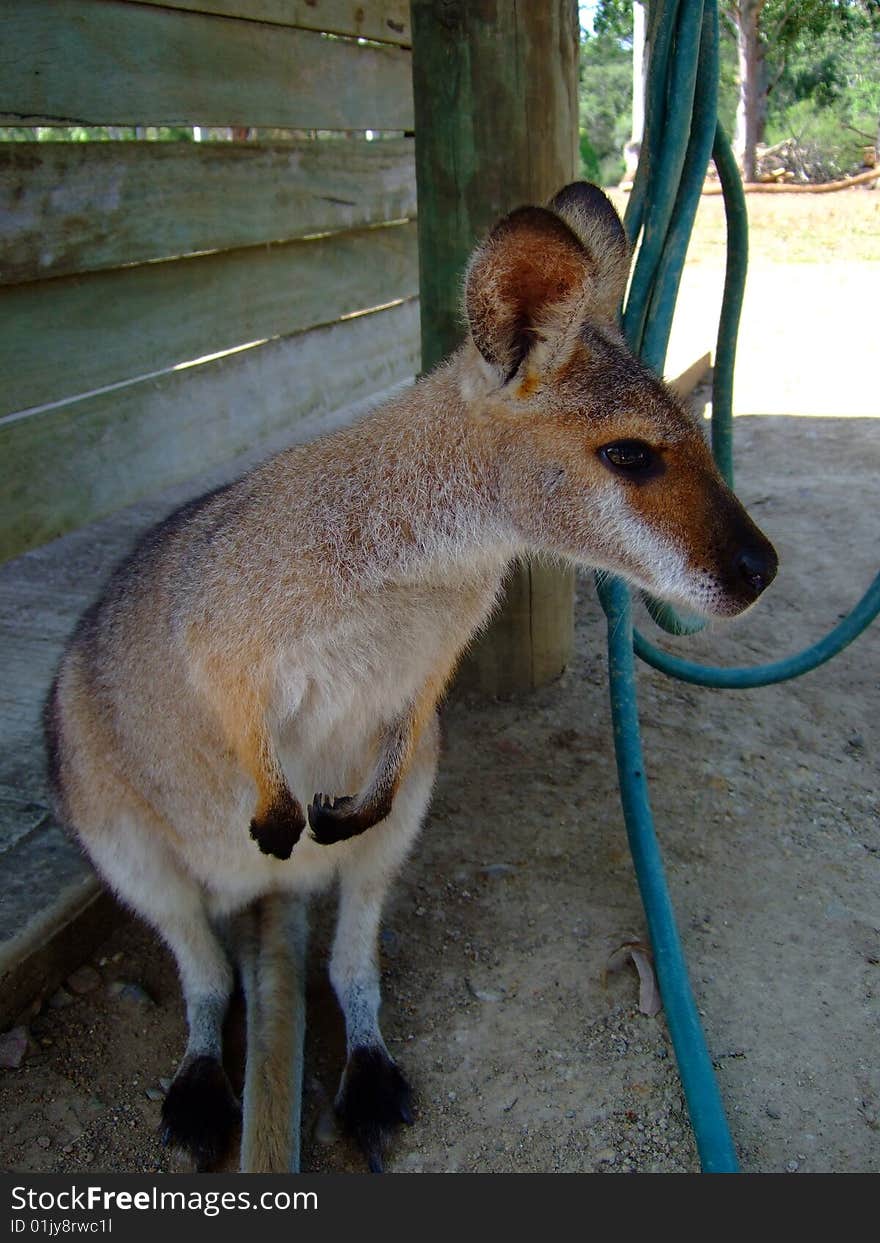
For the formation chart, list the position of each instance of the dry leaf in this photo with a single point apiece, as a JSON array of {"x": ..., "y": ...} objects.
[{"x": 640, "y": 955}]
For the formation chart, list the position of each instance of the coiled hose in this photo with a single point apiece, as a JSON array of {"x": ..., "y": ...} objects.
[{"x": 682, "y": 132}]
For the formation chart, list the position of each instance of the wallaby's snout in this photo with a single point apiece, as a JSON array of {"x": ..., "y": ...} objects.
[
  {"x": 749, "y": 566},
  {"x": 757, "y": 565}
]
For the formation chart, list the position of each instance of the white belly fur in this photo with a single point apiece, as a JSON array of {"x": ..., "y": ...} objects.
[{"x": 334, "y": 693}]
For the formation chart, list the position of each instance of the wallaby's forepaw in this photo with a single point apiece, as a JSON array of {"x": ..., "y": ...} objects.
[
  {"x": 278, "y": 829},
  {"x": 331, "y": 819},
  {"x": 373, "y": 1098},
  {"x": 337, "y": 819},
  {"x": 200, "y": 1112}
]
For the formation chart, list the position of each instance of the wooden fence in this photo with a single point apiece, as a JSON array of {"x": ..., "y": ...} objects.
[{"x": 166, "y": 305}]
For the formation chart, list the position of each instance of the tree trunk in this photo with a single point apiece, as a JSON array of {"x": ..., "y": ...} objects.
[
  {"x": 633, "y": 148},
  {"x": 750, "y": 110},
  {"x": 496, "y": 106}
]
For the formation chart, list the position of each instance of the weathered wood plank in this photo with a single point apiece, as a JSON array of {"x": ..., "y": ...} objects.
[
  {"x": 105, "y": 62},
  {"x": 78, "y": 334},
  {"x": 77, "y": 207},
  {"x": 70, "y": 464},
  {"x": 386, "y": 21}
]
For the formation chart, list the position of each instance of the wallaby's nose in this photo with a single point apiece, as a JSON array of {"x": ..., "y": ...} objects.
[{"x": 756, "y": 566}]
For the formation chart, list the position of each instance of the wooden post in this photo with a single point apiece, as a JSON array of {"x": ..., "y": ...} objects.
[{"x": 496, "y": 107}]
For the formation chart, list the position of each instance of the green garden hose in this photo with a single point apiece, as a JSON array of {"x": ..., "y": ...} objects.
[
  {"x": 857, "y": 620},
  {"x": 714, "y": 1144},
  {"x": 681, "y": 128}
]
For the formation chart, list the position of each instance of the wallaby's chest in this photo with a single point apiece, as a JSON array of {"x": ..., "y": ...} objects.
[{"x": 360, "y": 672}]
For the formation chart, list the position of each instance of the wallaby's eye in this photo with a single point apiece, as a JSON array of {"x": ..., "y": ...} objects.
[{"x": 630, "y": 457}]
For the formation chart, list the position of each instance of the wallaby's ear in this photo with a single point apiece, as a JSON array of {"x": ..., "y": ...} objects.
[
  {"x": 591, "y": 216},
  {"x": 529, "y": 264},
  {"x": 572, "y": 256}
]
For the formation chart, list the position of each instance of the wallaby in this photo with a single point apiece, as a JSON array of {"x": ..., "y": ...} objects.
[{"x": 293, "y": 632}]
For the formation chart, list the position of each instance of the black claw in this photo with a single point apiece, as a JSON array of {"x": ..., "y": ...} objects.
[
  {"x": 331, "y": 819},
  {"x": 279, "y": 829},
  {"x": 200, "y": 1113},
  {"x": 338, "y": 819},
  {"x": 373, "y": 1099}
]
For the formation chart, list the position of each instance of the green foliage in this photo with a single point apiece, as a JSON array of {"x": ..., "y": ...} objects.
[
  {"x": 822, "y": 77},
  {"x": 614, "y": 18},
  {"x": 94, "y": 133},
  {"x": 839, "y": 71},
  {"x": 605, "y": 105},
  {"x": 728, "y": 87},
  {"x": 827, "y": 151},
  {"x": 824, "y": 87},
  {"x": 589, "y": 159}
]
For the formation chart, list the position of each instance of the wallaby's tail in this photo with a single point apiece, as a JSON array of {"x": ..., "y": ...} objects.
[{"x": 272, "y": 942}]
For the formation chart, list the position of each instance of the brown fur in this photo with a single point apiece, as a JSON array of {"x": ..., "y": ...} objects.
[{"x": 293, "y": 631}]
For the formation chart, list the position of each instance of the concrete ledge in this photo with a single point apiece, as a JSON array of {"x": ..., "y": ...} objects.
[
  {"x": 56, "y": 941},
  {"x": 53, "y": 910}
]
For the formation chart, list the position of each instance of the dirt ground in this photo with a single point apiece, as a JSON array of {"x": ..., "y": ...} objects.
[{"x": 522, "y": 1057}]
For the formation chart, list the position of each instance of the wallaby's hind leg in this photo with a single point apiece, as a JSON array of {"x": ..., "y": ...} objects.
[
  {"x": 200, "y": 1112},
  {"x": 373, "y": 1095},
  {"x": 271, "y": 937}
]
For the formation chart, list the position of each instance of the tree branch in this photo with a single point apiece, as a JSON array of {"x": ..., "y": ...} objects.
[
  {"x": 861, "y": 133},
  {"x": 771, "y": 86},
  {"x": 782, "y": 23}
]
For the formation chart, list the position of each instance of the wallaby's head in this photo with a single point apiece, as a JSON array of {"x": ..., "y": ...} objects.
[{"x": 597, "y": 459}]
